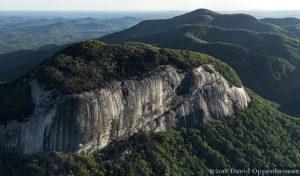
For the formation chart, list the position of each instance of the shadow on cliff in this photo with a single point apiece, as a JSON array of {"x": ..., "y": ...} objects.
[{"x": 16, "y": 64}]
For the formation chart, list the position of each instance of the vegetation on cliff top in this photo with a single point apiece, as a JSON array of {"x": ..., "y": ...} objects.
[{"x": 87, "y": 65}]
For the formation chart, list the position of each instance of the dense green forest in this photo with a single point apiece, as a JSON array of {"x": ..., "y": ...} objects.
[
  {"x": 259, "y": 137},
  {"x": 89, "y": 65},
  {"x": 17, "y": 64},
  {"x": 35, "y": 33},
  {"x": 86, "y": 65},
  {"x": 265, "y": 53},
  {"x": 26, "y": 42}
]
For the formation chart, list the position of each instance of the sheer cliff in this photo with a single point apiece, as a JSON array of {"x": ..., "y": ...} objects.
[{"x": 165, "y": 93}]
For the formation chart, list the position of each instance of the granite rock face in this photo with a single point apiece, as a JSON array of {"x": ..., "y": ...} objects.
[{"x": 163, "y": 99}]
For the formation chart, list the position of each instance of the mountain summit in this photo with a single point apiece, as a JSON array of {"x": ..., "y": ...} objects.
[
  {"x": 266, "y": 56},
  {"x": 199, "y": 12},
  {"x": 136, "y": 109},
  {"x": 91, "y": 94}
]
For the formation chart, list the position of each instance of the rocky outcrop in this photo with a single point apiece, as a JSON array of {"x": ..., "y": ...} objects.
[{"x": 164, "y": 99}]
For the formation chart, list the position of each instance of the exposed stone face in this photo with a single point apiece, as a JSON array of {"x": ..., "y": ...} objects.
[{"x": 164, "y": 99}]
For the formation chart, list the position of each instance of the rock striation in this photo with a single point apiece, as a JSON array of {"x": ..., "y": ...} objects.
[{"x": 163, "y": 99}]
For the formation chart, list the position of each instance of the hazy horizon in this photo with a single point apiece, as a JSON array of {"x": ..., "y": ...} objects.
[
  {"x": 138, "y": 14},
  {"x": 154, "y": 5}
]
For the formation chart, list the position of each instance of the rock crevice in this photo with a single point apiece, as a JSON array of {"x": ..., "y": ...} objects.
[{"x": 164, "y": 99}]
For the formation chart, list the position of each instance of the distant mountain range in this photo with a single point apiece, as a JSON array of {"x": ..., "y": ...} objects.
[
  {"x": 265, "y": 53},
  {"x": 39, "y": 32},
  {"x": 26, "y": 43},
  {"x": 158, "y": 111}
]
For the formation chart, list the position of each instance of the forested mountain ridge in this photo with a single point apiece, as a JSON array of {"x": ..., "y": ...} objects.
[
  {"x": 265, "y": 56},
  {"x": 137, "y": 109},
  {"x": 36, "y": 33},
  {"x": 25, "y": 43},
  {"x": 198, "y": 17},
  {"x": 101, "y": 93}
]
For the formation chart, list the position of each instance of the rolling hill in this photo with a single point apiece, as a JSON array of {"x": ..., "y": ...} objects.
[
  {"x": 75, "y": 81},
  {"x": 33, "y": 34},
  {"x": 292, "y": 25},
  {"x": 198, "y": 17},
  {"x": 16, "y": 64},
  {"x": 266, "y": 56},
  {"x": 290, "y": 21},
  {"x": 25, "y": 43},
  {"x": 260, "y": 136}
]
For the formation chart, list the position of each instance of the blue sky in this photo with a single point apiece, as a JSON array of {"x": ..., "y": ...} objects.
[{"x": 149, "y": 5}]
